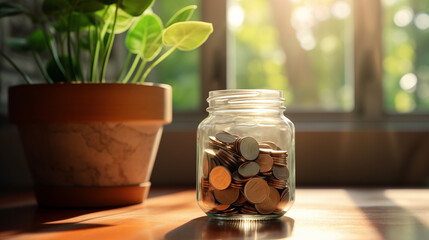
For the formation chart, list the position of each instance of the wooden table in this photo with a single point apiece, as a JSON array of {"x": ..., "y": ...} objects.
[{"x": 174, "y": 214}]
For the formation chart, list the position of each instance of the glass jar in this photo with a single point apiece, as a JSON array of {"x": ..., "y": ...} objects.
[{"x": 245, "y": 156}]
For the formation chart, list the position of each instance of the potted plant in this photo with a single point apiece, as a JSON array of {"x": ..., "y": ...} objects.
[{"x": 91, "y": 142}]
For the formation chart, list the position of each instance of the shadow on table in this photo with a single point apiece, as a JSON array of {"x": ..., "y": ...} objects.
[
  {"x": 396, "y": 223},
  {"x": 31, "y": 218},
  {"x": 207, "y": 228}
]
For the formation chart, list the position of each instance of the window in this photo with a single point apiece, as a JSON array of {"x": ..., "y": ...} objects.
[
  {"x": 406, "y": 56},
  {"x": 365, "y": 60},
  {"x": 300, "y": 47}
]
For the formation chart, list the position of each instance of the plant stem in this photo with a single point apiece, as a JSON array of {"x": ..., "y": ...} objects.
[
  {"x": 78, "y": 62},
  {"x": 109, "y": 46},
  {"x": 53, "y": 51},
  {"x": 99, "y": 39},
  {"x": 23, "y": 74},
  {"x": 131, "y": 71},
  {"x": 139, "y": 71},
  {"x": 159, "y": 60},
  {"x": 69, "y": 52},
  {"x": 41, "y": 67},
  {"x": 124, "y": 68},
  {"x": 93, "y": 36}
]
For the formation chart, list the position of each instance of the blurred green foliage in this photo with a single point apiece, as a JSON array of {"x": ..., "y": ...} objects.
[
  {"x": 184, "y": 77},
  {"x": 260, "y": 61},
  {"x": 406, "y": 55}
]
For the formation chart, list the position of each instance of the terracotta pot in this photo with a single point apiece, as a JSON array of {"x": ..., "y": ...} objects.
[{"x": 90, "y": 145}]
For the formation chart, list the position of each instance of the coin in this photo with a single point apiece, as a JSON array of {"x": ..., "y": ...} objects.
[
  {"x": 206, "y": 164},
  {"x": 256, "y": 190},
  {"x": 249, "y": 148},
  {"x": 227, "y": 158},
  {"x": 279, "y": 184},
  {"x": 226, "y": 196},
  {"x": 208, "y": 201},
  {"x": 240, "y": 200},
  {"x": 220, "y": 178},
  {"x": 216, "y": 144},
  {"x": 236, "y": 177},
  {"x": 284, "y": 199},
  {"x": 226, "y": 137},
  {"x": 270, "y": 203},
  {"x": 272, "y": 145},
  {"x": 265, "y": 162},
  {"x": 281, "y": 173},
  {"x": 248, "y": 169},
  {"x": 222, "y": 207},
  {"x": 244, "y": 176},
  {"x": 248, "y": 209}
]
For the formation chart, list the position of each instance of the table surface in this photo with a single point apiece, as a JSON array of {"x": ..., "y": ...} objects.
[{"x": 173, "y": 214}]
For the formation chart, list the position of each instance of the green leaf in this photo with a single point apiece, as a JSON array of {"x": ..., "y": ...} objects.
[
  {"x": 182, "y": 15},
  {"x": 77, "y": 22},
  {"x": 187, "y": 35},
  {"x": 55, "y": 7},
  {"x": 136, "y": 7},
  {"x": 38, "y": 41},
  {"x": 145, "y": 37},
  {"x": 123, "y": 20},
  {"x": 10, "y": 9}
]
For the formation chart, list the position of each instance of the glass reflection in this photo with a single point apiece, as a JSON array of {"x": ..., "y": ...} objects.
[{"x": 206, "y": 228}]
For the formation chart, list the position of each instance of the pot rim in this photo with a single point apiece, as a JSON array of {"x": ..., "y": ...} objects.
[{"x": 90, "y": 102}]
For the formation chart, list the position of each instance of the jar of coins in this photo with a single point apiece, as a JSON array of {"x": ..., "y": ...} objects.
[{"x": 246, "y": 156}]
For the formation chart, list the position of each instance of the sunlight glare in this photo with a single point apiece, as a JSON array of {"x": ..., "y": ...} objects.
[
  {"x": 341, "y": 10},
  {"x": 408, "y": 82},
  {"x": 422, "y": 21},
  {"x": 322, "y": 13},
  {"x": 403, "y": 17},
  {"x": 306, "y": 39},
  {"x": 235, "y": 16},
  {"x": 302, "y": 18}
]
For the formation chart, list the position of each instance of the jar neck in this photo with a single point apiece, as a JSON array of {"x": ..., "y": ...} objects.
[{"x": 251, "y": 101}]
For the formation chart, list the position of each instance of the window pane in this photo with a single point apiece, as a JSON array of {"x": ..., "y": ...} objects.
[
  {"x": 301, "y": 47},
  {"x": 406, "y": 55},
  {"x": 181, "y": 69}
]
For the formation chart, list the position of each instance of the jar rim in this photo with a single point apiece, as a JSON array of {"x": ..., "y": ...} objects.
[
  {"x": 245, "y": 93},
  {"x": 246, "y": 99}
]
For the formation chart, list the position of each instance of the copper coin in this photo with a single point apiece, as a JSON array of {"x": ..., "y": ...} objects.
[
  {"x": 248, "y": 169},
  {"x": 222, "y": 207},
  {"x": 279, "y": 153},
  {"x": 256, "y": 190},
  {"x": 206, "y": 165},
  {"x": 227, "y": 158},
  {"x": 265, "y": 162},
  {"x": 226, "y": 196},
  {"x": 284, "y": 199},
  {"x": 272, "y": 145},
  {"x": 240, "y": 200},
  {"x": 220, "y": 178},
  {"x": 208, "y": 201},
  {"x": 270, "y": 203},
  {"x": 249, "y": 148},
  {"x": 225, "y": 137},
  {"x": 281, "y": 173},
  {"x": 236, "y": 177}
]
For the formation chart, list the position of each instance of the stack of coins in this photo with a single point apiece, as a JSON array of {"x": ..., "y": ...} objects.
[{"x": 242, "y": 176}]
